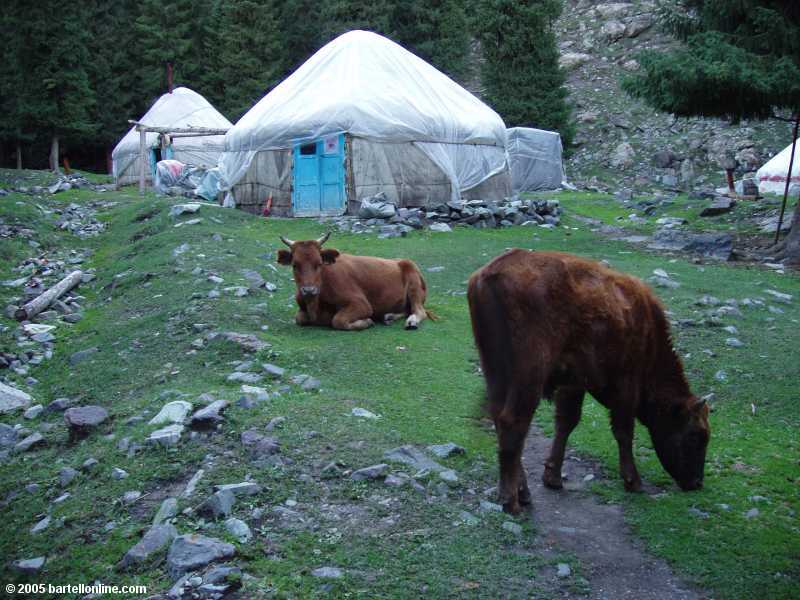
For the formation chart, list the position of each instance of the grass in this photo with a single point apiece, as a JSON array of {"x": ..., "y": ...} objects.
[{"x": 391, "y": 542}]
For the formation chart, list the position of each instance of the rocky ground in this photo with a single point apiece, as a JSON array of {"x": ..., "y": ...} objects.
[{"x": 621, "y": 143}]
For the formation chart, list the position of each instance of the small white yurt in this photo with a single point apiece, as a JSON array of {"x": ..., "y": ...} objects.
[
  {"x": 180, "y": 108},
  {"x": 534, "y": 157},
  {"x": 772, "y": 176},
  {"x": 364, "y": 115}
]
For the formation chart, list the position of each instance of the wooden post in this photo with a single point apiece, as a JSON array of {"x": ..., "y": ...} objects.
[
  {"x": 788, "y": 178},
  {"x": 19, "y": 155},
  {"x": 142, "y": 160},
  {"x": 54, "y": 154},
  {"x": 45, "y": 299}
]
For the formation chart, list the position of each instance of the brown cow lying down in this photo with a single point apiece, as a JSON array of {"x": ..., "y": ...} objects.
[
  {"x": 351, "y": 292},
  {"x": 556, "y": 325}
]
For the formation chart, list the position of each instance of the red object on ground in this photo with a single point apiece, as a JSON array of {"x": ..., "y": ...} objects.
[
  {"x": 267, "y": 206},
  {"x": 67, "y": 170}
]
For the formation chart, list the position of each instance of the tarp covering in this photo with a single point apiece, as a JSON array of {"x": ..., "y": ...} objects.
[
  {"x": 534, "y": 156},
  {"x": 772, "y": 176},
  {"x": 370, "y": 87},
  {"x": 182, "y": 108}
]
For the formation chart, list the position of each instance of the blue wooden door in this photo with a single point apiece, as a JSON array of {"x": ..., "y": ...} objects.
[{"x": 319, "y": 178}]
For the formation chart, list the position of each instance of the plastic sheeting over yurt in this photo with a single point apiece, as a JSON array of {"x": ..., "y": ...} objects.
[
  {"x": 361, "y": 116},
  {"x": 180, "y": 108},
  {"x": 534, "y": 157},
  {"x": 772, "y": 176}
]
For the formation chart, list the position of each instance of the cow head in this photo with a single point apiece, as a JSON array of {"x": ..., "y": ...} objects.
[
  {"x": 307, "y": 259},
  {"x": 680, "y": 441}
]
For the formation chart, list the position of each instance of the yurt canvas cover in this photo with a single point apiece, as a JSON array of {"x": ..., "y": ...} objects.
[
  {"x": 364, "y": 115},
  {"x": 534, "y": 157},
  {"x": 181, "y": 108},
  {"x": 772, "y": 176}
]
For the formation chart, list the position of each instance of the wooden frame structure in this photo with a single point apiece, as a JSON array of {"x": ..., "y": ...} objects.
[{"x": 172, "y": 132}]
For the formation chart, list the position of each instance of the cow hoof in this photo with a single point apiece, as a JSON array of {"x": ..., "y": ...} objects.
[
  {"x": 551, "y": 480},
  {"x": 512, "y": 508},
  {"x": 525, "y": 496},
  {"x": 412, "y": 322}
]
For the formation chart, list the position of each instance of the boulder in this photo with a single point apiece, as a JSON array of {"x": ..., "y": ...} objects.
[
  {"x": 720, "y": 205},
  {"x": 219, "y": 504},
  {"x": 8, "y": 436},
  {"x": 12, "y": 399},
  {"x": 368, "y": 473},
  {"x": 573, "y": 60},
  {"x": 83, "y": 419},
  {"x": 152, "y": 543},
  {"x": 166, "y": 436},
  {"x": 82, "y": 355},
  {"x": 409, "y": 455},
  {"x": 208, "y": 417},
  {"x": 172, "y": 412},
  {"x": 623, "y": 156},
  {"x": 33, "y": 440},
  {"x": 191, "y": 552},
  {"x": 29, "y": 566},
  {"x": 638, "y": 25},
  {"x": 613, "y": 30}
]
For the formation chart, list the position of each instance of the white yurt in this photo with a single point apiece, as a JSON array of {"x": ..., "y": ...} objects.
[
  {"x": 181, "y": 108},
  {"x": 772, "y": 176},
  {"x": 364, "y": 115},
  {"x": 534, "y": 157}
]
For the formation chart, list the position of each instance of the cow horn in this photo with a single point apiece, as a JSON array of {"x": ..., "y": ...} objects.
[
  {"x": 286, "y": 241},
  {"x": 324, "y": 238}
]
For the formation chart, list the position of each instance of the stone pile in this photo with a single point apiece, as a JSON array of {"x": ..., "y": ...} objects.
[
  {"x": 79, "y": 220},
  {"x": 376, "y": 213}
]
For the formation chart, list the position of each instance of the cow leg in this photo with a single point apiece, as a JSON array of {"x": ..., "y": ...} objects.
[
  {"x": 353, "y": 317},
  {"x": 622, "y": 426},
  {"x": 302, "y": 318},
  {"x": 390, "y": 318},
  {"x": 416, "y": 301},
  {"x": 568, "y": 403},
  {"x": 512, "y": 424}
]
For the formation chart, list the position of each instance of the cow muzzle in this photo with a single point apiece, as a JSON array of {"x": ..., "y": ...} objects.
[{"x": 309, "y": 291}]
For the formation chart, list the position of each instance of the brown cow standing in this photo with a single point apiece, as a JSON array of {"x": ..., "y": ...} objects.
[
  {"x": 351, "y": 292},
  {"x": 556, "y": 325}
]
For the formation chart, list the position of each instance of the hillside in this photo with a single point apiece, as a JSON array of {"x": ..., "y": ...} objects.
[{"x": 618, "y": 137}]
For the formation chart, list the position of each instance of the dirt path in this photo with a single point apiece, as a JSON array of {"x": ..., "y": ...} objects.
[{"x": 613, "y": 561}]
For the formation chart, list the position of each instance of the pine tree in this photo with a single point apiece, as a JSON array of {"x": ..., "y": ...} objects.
[
  {"x": 12, "y": 128},
  {"x": 55, "y": 99},
  {"x": 341, "y": 16},
  {"x": 740, "y": 60},
  {"x": 521, "y": 74},
  {"x": 249, "y": 54}
]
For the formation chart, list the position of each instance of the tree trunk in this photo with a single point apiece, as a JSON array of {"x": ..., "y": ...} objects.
[
  {"x": 54, "y": 155},
  {"x": 44, "y": 300},
  {"x": 19, "y": 155}
]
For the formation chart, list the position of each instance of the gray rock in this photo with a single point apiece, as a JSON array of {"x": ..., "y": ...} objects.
[
  {"x": 486, "y": 506},
  {"x": 712, "y": 245},
  {"x": 33, "y": 440},
  {"x": 734, "y": 342},
  {"x": 246, "y": 341},
  {"x": 449, "y": 476},
  {"x": 259, "y": 446},
  {"x": 370, "y": 473},
  {"x": 409, "y": 455},
  {"x": 440, "y": 227},
  {"x": 512, "y": 527},
  {"x": 117, "y": 473},
  {"x": 363, "y": 413},
  {"x": 328, "y": 573},
  {"x": 166, "y": 436},
  {"x": 275, "y": 423},
  {"x": 83, "y": 419},
  {"x": 246, "y": 488},
  {"x": 219, "y": 504},
  {"x": 719, "y": 206},
  {"x": 29, "y": 565},
  {"x": 208, "y": 417},
  {"x": 82, "y": 355},
  {"x": 89, "y": 464},
  {"x": 239, "y": 377},
  {"x": 167, "y": 510},
  {"x": 8, "y": 436},
  {"x": 41, "y": 525},
  {"x": 446, "y": 450},
  {"x": 172, "y": 412},
  {"x": 191, "y": 552},
  {"x": 131, "y": 496},
  {"x": 238, "y": 529},
  {"x": 563, "y": 570},
  {"x": 33, "y": 411},
  {"x": 66, "y": 475},
  {"x": 310, "y": 384},
  {"x": 273, "y": 371},
  {"x": 154, "y": 542},
  {"x": 12, "y": 399},
  {"x": 59, "y": 405},
  {"x": 751, "y": 514}
]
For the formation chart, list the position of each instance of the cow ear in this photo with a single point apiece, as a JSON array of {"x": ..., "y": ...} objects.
[
  {"x": 329, "y": 256},
  {"x": 284, "y": 257}
]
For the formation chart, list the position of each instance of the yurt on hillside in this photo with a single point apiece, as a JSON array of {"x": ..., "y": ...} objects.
[
  {"x": 364, "y": 115},
  {"x": 772, "y": 176},
  {"x": 181, "y": 108}
]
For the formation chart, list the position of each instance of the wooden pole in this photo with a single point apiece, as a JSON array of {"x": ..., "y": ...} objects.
[
  {"x": 45, "y": 299},
  {"x": 788, "y": 179},
  {"x": 19, "y": 155},
  {"x": 142, "y": 160}
]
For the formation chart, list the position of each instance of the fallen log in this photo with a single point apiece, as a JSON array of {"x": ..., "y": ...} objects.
[{"x": 45, "y": 299}]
